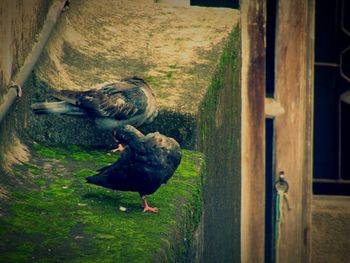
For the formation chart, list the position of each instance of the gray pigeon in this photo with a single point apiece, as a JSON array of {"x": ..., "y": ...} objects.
[
  {"x": 129, "y": 101},
  {"x": 145, "y": 164}
]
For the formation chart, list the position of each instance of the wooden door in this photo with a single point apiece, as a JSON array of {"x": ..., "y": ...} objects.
[
  {"x": 293, "y": 130},
  {"x": 291, "y": 108}
]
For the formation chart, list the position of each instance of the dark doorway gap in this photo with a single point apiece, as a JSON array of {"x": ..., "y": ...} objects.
[
  {"x": 271, "y": 9},
  {"x": 219, "y": 3},
  {"x": 270, "y": 193}
]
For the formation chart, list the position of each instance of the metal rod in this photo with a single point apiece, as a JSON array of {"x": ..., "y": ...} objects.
[
  {"x": 20, "y": 78},
  {"x": 326, "y": 64},
  {"x": 331, "y": 181},
  {"x": 9, "y": 99}
]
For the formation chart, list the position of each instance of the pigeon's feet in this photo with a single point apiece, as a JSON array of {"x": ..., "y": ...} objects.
[
  {"x": 120, "y": 148},
  {"x": 150, "y": 209},
  {"x": 147, "y": 208}
]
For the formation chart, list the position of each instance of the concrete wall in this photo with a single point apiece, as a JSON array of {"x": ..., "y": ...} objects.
[
  {"x": 20, "y": 23},
  {"x": 219, "y": 137}
]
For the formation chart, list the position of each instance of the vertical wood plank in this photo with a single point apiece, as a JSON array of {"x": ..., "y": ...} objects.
[
  {"x": 253, "y": 131},
  {"x": 308, "y": 144}
]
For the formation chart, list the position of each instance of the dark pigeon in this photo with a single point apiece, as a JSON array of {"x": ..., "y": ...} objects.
[{"x": 145, "y": 164}]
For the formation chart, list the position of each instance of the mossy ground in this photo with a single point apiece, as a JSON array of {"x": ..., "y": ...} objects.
[{"x": 57, "y": 217}]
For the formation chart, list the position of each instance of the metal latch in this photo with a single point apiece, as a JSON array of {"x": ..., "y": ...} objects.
[{"x": 281, "y": 185}]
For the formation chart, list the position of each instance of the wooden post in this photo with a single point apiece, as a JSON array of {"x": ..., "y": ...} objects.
[{"x": 253, "y": 131}]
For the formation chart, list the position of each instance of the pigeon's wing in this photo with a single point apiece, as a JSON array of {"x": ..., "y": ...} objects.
[
  {"x": 73, "y": 96},
  {"x": 69, "y": 96},
  {"x": 115, "y": 176},
  {"x": 120, "y": 100}
]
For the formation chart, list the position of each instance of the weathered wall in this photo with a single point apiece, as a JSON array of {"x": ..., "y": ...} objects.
[
  {"x": 20, "y": 23},
  {"x": 330, "y": 229},
  {"x": 219, "y": 137}
]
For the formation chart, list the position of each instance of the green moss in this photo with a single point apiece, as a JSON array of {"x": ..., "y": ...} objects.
[
  {"x": 152, "y": 80},
  {"x": 169, "y": 74},
  {"x": 228, "y": 67},
  {"x": 67, "y": 219},
  {"x": 47, "y": 152},
  {"x": 40, "y": 182},
  {"x": 219, "y": 138}
]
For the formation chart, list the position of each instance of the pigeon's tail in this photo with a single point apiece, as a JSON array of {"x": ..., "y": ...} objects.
[
  {"x": 61, "y": 107},
  {"x": 90, "y": 179},
  {"x": 97, "y": 180}
]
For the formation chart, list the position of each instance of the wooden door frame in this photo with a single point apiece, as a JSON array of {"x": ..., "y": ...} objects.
[
  {"x": 255, "y": 108},
  {"x": 253, "y": 131}
]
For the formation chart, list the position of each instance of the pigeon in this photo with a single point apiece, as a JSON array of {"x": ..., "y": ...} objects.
[
  {"x": 129, "y": 101},
  {"x": 147, "y": 162}
]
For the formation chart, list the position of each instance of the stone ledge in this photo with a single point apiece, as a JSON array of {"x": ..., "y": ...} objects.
[{"x": 53, "y": 215}]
